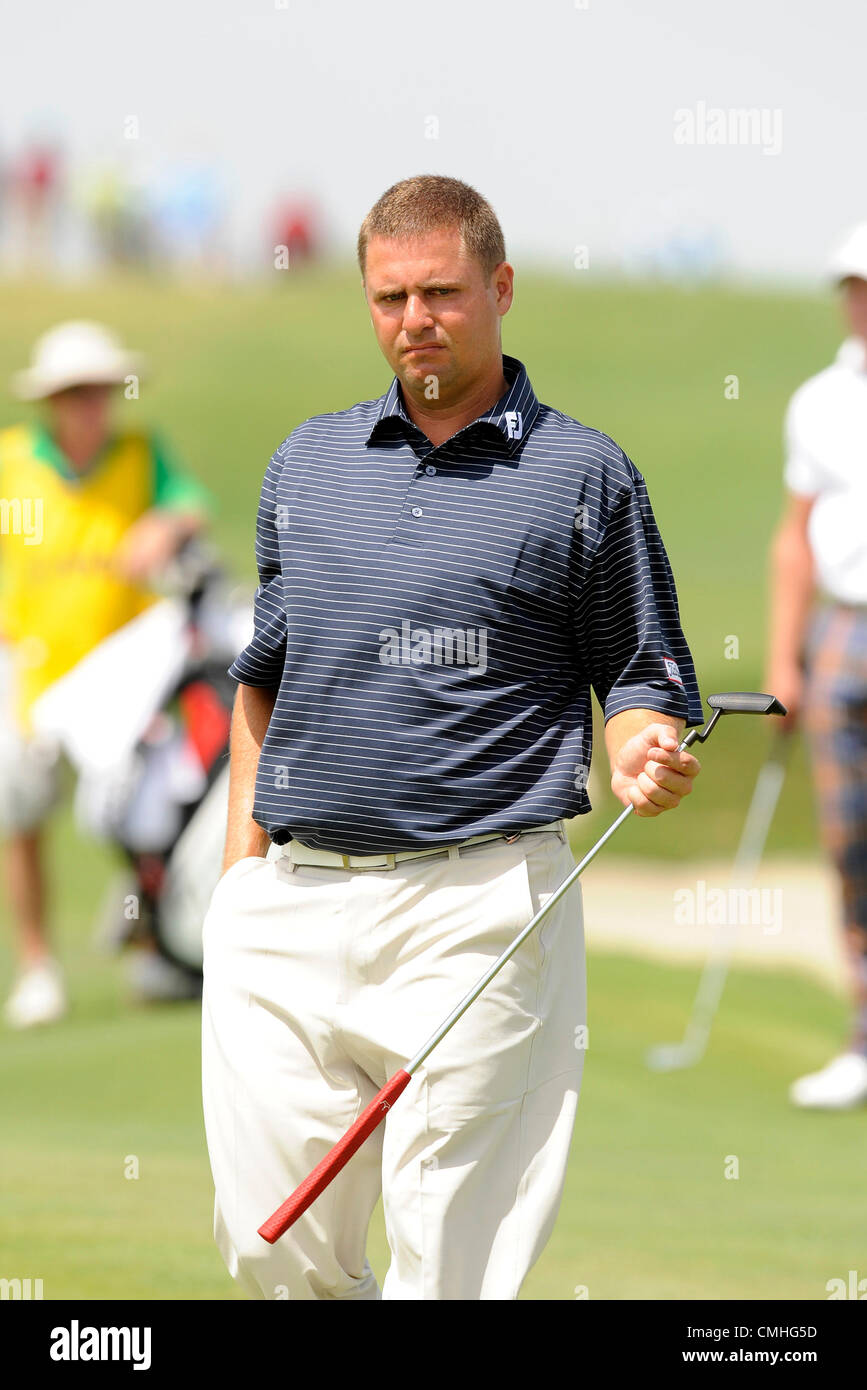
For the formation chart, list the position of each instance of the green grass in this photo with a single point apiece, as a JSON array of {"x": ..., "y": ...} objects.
[{"x": 647, "y": 1210}]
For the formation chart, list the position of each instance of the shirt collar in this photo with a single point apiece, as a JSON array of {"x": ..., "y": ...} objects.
[
  {"x": 512, "y": 416},
  {"x": 852, "y": 353},
  {"x": 45, "y": 448}
]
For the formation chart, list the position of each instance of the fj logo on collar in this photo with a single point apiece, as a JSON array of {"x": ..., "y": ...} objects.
[
  {"x": 672, "y": 670},
  {"x": 514, "y": 424}
]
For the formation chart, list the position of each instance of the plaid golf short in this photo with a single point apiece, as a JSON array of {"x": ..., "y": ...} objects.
[{"x": 835, "y": 722}]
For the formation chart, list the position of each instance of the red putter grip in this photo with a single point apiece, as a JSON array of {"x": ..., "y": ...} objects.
[{"x": 334, "y": 1160}]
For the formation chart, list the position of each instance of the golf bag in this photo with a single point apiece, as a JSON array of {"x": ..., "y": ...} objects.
[{"x": 144, "y": 721}]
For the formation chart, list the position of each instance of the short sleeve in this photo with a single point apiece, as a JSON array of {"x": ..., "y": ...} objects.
[
  {"x": 173, "y": 488},
  {"x": 802, "y": 472},
  {"x": 626, "y": 618},
  {"x": 262, "y": 660}
]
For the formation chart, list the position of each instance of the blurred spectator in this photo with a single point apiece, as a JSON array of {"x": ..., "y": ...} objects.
[
  {"x": 295, "y": 233},
  {"x": 119, "y": 219},
  {"x": 34, "y": 196},
  {"x": 89, "y": 517},
  {"x": 189, "y": 212},
  {"x": 817, "y": 661}
]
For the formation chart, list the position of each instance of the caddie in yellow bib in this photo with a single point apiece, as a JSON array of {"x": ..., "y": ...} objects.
[{"x": 89, "y": 516}]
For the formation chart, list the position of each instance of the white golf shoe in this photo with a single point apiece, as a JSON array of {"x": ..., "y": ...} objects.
[
  {"x": 38, "y": 997},
  {"x": 839, "y": 1086}
]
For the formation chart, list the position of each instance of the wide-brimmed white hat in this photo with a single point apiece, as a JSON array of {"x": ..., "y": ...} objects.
[
  {"x": 850, "y": 257},
  {"x": 75, "y": 354}
]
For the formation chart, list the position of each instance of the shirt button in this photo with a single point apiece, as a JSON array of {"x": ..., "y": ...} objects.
[
  {"x": 430, "y": 470},
  {"x": 417, "y": 511}
]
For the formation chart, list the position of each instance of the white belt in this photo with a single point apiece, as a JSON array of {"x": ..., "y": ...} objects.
[{"x": 299, "y": 853}]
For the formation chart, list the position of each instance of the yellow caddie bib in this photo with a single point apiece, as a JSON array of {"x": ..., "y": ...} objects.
[{"x": 60, "y": 590}]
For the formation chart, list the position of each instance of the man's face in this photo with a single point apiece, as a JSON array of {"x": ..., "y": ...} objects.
[
  {"x": 855, "y": 305},
  {"x": 81, "y": 411},
  {"x": 435, "y": 313}
]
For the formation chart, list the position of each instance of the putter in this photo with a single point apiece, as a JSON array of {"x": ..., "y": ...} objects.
[
  {"x": 690, "y": 1050},
  {"x": 734, "y": 702}
]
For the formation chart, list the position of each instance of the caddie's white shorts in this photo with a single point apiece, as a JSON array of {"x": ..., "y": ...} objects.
[
  {"x": 29, "y": 765},
  {"x": 319, "y": 984}
]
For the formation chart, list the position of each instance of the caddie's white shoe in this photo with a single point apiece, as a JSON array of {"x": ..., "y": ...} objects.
[
  {"x": 38, "y": 997},
  {"x": 839, "y": 1086}
]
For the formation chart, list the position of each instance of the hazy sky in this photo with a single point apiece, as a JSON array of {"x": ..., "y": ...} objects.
[{"x": 562, "y": 114}]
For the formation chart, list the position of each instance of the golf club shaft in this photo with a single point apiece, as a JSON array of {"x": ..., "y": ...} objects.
[
  {"x": 513, "y": 946},
  {"x": 747, "y": 859},
  {"x": 510, "y": 950}
]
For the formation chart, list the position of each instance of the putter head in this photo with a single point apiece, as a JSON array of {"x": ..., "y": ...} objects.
[
  {"x": 746, "y": 702},
  {"x": 734, "y": 702}
]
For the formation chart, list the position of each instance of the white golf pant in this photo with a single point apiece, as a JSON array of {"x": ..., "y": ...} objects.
[{"x": 319, "y": 984}]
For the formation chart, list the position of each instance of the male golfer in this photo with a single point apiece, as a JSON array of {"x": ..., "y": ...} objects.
[
  {"x": 444, "y": 574},
  {"x": 817, "y": 659}
]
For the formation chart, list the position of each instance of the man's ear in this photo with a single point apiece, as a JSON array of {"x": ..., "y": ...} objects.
[{"x": 507, "y": 279}]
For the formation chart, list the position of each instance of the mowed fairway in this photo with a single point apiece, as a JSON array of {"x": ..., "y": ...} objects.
[{"x": 648, "y": 1210}]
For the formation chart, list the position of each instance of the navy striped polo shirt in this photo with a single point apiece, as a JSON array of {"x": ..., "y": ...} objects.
[{"x": 433, "y": 619}]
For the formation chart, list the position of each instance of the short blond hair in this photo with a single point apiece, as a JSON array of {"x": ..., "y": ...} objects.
[{"x": 419, "y": 205}]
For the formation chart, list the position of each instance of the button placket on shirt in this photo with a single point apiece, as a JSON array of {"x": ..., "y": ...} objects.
[
  {"x": 417, "y": 507},
  {"x": 426, "y": 470}
]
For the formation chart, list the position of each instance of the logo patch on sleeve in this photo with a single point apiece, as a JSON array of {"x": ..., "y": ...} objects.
[{"x": 672, "y": 670}]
